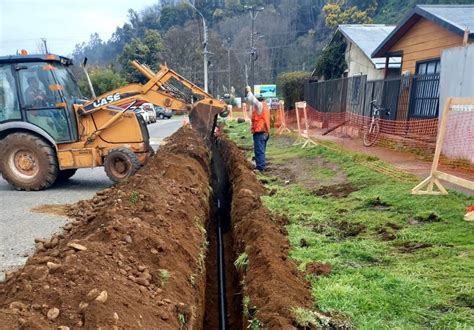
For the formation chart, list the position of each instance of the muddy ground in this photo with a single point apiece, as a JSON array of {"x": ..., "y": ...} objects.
[
  {"x": 333, "y": 182},
  {"x": 136, "y": 255}
]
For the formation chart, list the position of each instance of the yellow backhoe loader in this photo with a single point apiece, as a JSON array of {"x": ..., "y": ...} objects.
[{"x": 47, "y": 131}]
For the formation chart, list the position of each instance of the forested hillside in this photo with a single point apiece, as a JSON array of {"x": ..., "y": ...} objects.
[{"x": 289, "y": 34}]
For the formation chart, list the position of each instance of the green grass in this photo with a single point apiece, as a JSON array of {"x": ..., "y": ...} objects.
[
  {"x": 372, "y": 281},
  {"x": 181, "y": 320},
  {"x": 324, "y": 172},
  {"x": 242, "y": 261},
  {"x": 310, "y": 319},
  {"x": 249, "y": 312},
  {"x": 164, "y": 277},
  {"x": 134, "y": 197}
]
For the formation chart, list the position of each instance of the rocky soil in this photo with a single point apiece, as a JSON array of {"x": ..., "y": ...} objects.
[{"x": 133, "y": 258}]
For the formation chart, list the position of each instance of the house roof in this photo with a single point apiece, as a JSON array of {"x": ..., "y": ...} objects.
[
  {"x": 367, "y": 37},
  {"x": 455, "y": 18}
]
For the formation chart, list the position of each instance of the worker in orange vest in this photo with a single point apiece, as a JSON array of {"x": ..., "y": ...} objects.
[{"x": 260, "y": 127}]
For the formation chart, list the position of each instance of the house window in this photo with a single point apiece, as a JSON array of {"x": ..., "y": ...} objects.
[
  {"x": 428, "y": 67},
  {"x": 425, "y": 90}
]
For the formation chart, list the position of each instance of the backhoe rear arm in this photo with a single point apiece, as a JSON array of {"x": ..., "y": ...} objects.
[
  {"x": 159, "y": 90},
  {"x": 164, "y": 88}
]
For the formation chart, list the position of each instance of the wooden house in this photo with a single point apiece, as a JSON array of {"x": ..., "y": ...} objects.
[
  {"x": 419, "y": 40},
  {"x": 361, "y": 40},
  {"x": 423, "y": 33}
]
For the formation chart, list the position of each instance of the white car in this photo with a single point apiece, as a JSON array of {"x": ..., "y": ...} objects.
[
  {"x": 143, "y": 113},
  {"x": 150, "y": 109}
]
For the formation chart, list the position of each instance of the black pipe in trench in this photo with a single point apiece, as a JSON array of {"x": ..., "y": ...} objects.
[{"x": 222, "y": 202}]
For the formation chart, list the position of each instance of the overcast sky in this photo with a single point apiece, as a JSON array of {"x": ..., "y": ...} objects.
[{"x": 64, "y": 23}]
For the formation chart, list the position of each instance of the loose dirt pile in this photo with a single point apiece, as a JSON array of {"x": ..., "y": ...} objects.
[
  {"x": 272, "y": 284},
  {"x": 340, "y": 190},
  {"x": 318, "y": 269},
  {"x": 134, "y": 258}
]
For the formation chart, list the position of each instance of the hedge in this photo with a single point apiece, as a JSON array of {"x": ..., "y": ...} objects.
[{"x": 291, "y": 86}]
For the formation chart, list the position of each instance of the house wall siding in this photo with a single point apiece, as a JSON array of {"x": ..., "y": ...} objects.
[
  {"x": 457, "y": 80},
  {"x": 456, "y": 77},
  {"x": 425, "y": 40},
  {"x": 358, "y": 63}
]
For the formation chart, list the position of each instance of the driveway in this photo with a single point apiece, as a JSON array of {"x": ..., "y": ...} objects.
[{"x": 19, "y": 226}]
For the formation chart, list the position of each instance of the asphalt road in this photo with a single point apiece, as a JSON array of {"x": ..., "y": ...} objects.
[{"x": 19, "y": 226}]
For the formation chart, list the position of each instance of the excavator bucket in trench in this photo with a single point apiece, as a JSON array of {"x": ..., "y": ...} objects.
[{"x": 203, "y": 118}]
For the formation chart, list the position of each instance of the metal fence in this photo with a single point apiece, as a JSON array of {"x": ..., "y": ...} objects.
[
  {"x": 425, "y": 96},
  {"x": 404, "y": 97}
]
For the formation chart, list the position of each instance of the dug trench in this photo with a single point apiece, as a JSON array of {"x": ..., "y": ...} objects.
[{"x": 145, "y": 253}]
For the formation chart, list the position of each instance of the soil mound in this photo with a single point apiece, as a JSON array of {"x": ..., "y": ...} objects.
[
  {"x": 318, "y": 269},
  {"x": 133, "y": 258},
  {"x": 337, "y": 190}
]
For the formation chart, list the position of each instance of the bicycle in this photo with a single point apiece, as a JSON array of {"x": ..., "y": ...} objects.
[{"x": 372, "y": 133}]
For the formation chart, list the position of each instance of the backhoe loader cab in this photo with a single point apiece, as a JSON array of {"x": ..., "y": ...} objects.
[
  {"x": 44, "y": 136},
  {"x": 39, "y": 90}
]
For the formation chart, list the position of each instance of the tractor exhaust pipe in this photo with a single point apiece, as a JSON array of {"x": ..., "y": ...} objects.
[{"x": 88, "y": 78}]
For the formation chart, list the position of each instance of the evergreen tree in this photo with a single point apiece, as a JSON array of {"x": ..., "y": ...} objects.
[{"x": 149, "y": 51}]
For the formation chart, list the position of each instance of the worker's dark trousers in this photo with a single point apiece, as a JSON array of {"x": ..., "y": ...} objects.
[{"x": 259, "y": 146}]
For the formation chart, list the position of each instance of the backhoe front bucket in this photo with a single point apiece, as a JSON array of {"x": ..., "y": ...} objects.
[{"x": 203, "y": 118}]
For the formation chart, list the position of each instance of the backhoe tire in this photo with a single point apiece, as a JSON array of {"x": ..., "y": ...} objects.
[
  {"x": 28, "y": 162},
  {"x": 64, "y": 175},
  {"x": 120, "y": 164}
]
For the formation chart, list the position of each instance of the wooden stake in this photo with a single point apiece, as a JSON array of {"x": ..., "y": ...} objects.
[
  {"x": 299, "y": 139},
  {"x": 309, "y": 141},
  {"x": 283, "y": 128},
  {"x": 303, "y": 139}
]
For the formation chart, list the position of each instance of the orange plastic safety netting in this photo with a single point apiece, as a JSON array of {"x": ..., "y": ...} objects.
[
  {"x": 418, "y": 133},
  {"x": 458, "y": 141}
]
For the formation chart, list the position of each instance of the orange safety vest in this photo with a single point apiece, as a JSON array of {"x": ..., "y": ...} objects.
[{"x": 261, "y": 122}]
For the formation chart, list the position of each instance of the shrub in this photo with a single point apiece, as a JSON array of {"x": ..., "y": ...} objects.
[
  {"x": 291, "y": 86},
  {"x": 331, "y": 64}
]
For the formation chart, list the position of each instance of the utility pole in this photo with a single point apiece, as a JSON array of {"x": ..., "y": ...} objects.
[
  {"x": 254, "y": 10},
  {"x": 204, "y": 25},
  {"x": 246, "y": 75},
  {"x": 228, "y": 64},
  {"x": 205, "y": 54},
  {"x": 228, "y": 68}
]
